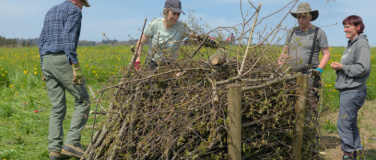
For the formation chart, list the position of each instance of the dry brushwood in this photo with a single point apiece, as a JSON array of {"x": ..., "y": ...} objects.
[
  {"x": 159, "y": 115},
  {"x": 179, "y": 110}
]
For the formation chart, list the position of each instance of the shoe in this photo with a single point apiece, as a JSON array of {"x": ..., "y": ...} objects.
[
  {"x": 72, "y": 150},
  {"x": 347, "y": 156}
]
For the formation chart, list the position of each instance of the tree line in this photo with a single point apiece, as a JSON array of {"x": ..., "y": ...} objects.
[{"x": 21, "y": 42}]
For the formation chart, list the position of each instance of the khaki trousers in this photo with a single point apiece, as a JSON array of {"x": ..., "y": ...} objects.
[{"x": 59, "y": 75}]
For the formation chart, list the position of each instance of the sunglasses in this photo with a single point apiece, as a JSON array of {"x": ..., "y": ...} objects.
[{"x": 301, "y": 17}]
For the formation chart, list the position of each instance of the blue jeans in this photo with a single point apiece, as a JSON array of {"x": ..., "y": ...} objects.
[{"x": 350, "y": 103}]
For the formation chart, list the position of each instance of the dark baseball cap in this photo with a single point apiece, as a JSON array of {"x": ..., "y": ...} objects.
[{"x": 174, "y": 5}]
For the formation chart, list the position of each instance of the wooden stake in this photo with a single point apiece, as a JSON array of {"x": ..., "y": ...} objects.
[
  {"x": 302, "y": 81},
  {"x": 234, "y": 122}
]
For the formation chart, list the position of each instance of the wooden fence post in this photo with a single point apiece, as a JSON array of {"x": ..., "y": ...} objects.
[
  {"x": 234, "y": 122},
  {"x": 302, "y": 82}
]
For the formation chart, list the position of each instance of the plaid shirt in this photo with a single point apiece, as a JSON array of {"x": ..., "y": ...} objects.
[{"x": 61, "y": 31}]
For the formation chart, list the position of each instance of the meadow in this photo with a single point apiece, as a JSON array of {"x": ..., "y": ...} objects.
[{"x": 25, "y": 107}]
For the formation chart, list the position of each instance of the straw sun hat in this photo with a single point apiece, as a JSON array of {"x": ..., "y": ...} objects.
[{"x": 305, "y": 8}]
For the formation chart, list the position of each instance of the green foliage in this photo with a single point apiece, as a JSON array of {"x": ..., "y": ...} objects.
[
  {"x": 329, "y": 126},
  {"x": 4, "y": 78},
  {"x": 12, "y": 42}
]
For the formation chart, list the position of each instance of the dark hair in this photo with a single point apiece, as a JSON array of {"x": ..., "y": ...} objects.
[{"x": 356, "y": 21}]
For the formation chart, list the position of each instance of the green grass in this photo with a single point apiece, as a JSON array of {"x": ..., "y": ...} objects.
[
  {"x": 24, "y": 134},
  {"x": 331, "y": 96}
]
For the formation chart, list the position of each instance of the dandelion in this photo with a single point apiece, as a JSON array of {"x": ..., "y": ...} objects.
[
  {"x": 93, "y": 71},
  {"x": 35, "y": 72},
  {"x": 3, "y": 75},
  {"x": 10, "y": 86},
  {"x": 1, "y": 69},
  {"x": 16, "y": 93},
  {"x": 25, "y": 72}
]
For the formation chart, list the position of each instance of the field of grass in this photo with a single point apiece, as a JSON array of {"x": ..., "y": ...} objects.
[
  {"x": 24, "y": 133},
  {"x": 330, "y": 96}
]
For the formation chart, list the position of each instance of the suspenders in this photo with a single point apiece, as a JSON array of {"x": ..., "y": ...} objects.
[{"x": 313, "y": 45}]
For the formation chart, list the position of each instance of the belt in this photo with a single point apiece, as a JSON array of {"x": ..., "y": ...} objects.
[{"x": 55, "y": 53}]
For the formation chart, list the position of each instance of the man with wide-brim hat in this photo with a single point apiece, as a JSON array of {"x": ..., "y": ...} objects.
[
  {"x": 299, "y": 42},
  {"x": 305, "y": 8},
  {"x": 302, "y": 49}
]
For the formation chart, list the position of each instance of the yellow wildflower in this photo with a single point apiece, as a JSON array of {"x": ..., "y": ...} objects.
[{"x": 25, "y": 72}]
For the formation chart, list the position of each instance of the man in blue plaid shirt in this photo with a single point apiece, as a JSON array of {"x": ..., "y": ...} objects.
[{"x": 61, "y": 71}]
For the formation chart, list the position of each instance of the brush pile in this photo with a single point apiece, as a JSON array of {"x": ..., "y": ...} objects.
[{"x": 179, "y": 110}]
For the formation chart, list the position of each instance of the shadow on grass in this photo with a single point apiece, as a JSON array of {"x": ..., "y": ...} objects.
[{"x": 330, "y": 142}]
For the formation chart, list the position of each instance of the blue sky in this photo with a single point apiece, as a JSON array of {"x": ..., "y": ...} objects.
[{"x": 123, "y": 19}]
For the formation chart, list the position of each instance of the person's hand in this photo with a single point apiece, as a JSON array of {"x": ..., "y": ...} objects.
[
  {"x": 282, "y": 59},
  {"x": 77, "y": 74},
  {"x": 279, "y": 63},
  {"x": 137, "y": 65},
  {"x": 336, "y": 66},
  {"x": 194, "y": 37},
  {"x": 43, "y": 77}
]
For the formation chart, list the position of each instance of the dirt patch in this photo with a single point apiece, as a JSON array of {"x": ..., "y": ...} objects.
[{"x": 330, "y": 142}]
